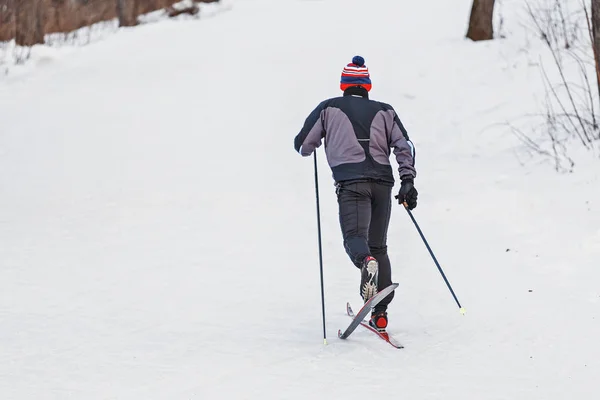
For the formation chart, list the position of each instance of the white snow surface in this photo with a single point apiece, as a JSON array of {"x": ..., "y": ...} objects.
[{"x": 158, "y": 231}]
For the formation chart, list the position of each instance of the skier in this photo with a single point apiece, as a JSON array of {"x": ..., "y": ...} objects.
[{"x": 359, "y": 134}]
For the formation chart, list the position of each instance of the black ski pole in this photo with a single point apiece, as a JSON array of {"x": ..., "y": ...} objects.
[
  {"x": 462, "y": 310},
  {"x": 320, "y": 248}
]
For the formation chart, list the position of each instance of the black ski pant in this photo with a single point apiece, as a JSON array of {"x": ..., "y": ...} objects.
[{"x": 364, "y": 212}]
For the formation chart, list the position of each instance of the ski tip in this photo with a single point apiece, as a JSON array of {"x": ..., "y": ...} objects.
[
  {"x": 463, "y": 311},
  {"x": 325, "y": 342}
]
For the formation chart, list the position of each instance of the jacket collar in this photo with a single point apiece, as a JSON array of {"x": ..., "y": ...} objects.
[{"x": 357, "y": 91}]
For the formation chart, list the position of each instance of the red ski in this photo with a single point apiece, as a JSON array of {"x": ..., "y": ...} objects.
[{"x": 383, "y": 335}]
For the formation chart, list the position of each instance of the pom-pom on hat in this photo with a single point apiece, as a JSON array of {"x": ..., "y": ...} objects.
[{"x": 356, "y": 74}]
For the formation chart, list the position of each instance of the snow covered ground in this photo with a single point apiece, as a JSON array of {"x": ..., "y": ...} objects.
[{"x": 158, "y": 231}]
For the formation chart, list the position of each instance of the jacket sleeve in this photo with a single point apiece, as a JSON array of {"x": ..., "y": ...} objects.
[
  {"x": 404, "y": 149},
  {"x": 312, "y": 133}
]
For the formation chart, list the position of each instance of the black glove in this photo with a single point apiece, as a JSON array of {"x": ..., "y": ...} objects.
[{"x": 408, "y": 193}]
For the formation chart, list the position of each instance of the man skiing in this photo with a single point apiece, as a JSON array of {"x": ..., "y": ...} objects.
[{"x": 359, "y": 134}]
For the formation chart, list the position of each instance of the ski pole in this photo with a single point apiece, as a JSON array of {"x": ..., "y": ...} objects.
[
  {"x": 462, "y": 310},
  {"x": 320, "y": 249}
]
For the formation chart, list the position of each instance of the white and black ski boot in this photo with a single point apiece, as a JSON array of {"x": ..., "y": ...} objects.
[{"x": 369, "y": 275}]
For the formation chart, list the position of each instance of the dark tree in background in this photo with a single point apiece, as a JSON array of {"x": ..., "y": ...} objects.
[
  {"x": 481, "y": 21},
  {"x": 30, "y": 18},
  {"x": 128, "y": 12},
  {"x": 7, "y": 20}
]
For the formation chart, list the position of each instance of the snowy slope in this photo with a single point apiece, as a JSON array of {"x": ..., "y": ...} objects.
[{"x": 158, "y": 231}]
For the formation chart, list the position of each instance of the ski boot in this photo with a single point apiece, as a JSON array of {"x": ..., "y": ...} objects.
[
  {"x": 379, "y": 321},
  {"x": 368, "y": 278}
]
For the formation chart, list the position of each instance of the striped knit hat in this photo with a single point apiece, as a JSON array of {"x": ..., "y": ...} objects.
[{"x": 356, "y": 74}]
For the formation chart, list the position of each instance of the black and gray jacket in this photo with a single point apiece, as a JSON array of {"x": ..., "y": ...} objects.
[{"x": 359, "y": 134}]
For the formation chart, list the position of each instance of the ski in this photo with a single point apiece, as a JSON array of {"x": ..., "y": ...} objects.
[
  {"x": 383, "y": 335},
  {"x": 372, "y": 302}
]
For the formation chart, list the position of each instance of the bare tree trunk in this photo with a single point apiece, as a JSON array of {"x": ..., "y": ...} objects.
[
  {"x": 481, "y": 21},
  {"x": 596, "y": 37},
  {"x": 7, "y": 20},
  {"x": 128, "y": 12},
  {"x": 30, "y": 20}
]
